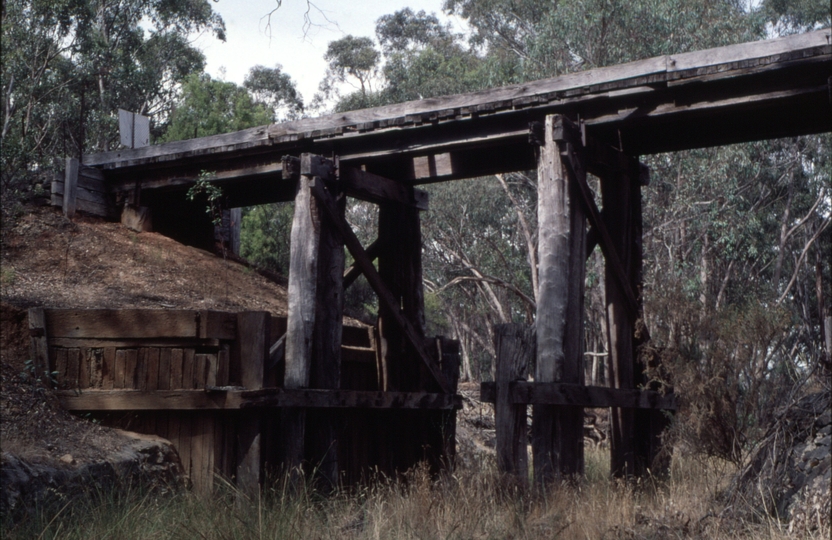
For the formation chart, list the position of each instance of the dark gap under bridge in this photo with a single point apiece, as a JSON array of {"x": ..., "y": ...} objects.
[{"x": 597, "y": 122}]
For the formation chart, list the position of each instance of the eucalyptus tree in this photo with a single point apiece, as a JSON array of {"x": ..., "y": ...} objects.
[{"x": 68, "y": 65}]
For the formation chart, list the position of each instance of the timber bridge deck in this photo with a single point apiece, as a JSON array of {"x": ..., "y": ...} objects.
[{"x": 598, "y": 122}]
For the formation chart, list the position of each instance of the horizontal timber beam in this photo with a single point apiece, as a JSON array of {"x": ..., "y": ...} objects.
[
  {"x": 742, "y": 92},
  {"x": 136, "y": 400},
  {"x": 531, "y": 393}
]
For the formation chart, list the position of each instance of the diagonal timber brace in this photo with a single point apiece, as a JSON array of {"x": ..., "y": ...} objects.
[
  {"x": 385, "y": 296},
  {"x": 578, "y": 162}
]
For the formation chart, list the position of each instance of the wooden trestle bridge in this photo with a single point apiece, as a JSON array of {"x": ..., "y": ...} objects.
[{"x": 395, "y": 406}]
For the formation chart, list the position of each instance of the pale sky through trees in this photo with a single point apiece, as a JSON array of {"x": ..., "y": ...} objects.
[{"x": 248, "y": 41}]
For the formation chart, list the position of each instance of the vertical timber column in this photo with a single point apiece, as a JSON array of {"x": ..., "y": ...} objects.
[
  {"x": 300, "y": 324},
  {"x": 326, "y": 347},
  {"x": 557, "y": 432},
  {"x": 400, "y": 268},
  {"x": 617, "y": 196},
  {"x": 649, "y": 423},
  {"x": 514, "y": 346},
  {"x": 253, "y": 346}
]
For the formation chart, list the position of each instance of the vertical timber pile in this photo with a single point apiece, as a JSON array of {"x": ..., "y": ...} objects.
[
  {"x": 327, "y": 336},
  {"x": 314, "y": 325},
  {"x": 557, "y": 440},
  {"x": 252, "y": 347},
  {"x": 514, "y": 347},
  {"x": 400, "y": 268},
  {"x": 617, "y": 193}
]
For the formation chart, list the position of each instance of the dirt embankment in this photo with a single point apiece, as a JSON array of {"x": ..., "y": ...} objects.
[{"x": 50, "y": 261}]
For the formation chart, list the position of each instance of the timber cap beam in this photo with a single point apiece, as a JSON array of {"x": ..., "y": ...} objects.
[
  {"x": 237, "y": 398},
  {"x": 576, "y": 395},
  {"x": 355, "y": 182}
]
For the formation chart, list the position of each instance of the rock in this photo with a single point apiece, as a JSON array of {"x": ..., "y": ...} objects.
[
  {"x": 143, "y": 461},
  {"x": 789, "y": 475}
]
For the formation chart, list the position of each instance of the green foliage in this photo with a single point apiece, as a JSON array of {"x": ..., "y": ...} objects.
[
  {"x": 203, "y": 188},
  {"x": 210, "y": 107},
  {"x": 264, "y": 237},
  {"x": 68, "y": 65}
]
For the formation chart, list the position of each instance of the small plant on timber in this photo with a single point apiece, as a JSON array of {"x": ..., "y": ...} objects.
[{"x": 214, "y": 194}]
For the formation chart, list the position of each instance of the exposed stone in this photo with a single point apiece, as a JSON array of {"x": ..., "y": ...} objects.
[
  {"x": 144, "y": 462},
  {"x": 790, "y": 473}
]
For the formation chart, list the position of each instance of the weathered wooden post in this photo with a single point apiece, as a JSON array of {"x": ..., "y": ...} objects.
[
  {"x": 329, "y": 314},
  {"x": 557, "y": 440},
  {"x": 70, "y": 186},
  {"x": 514, "y": 346},
  {"x": 253, "y": 350},
  {"x": 314, "y": 325}
]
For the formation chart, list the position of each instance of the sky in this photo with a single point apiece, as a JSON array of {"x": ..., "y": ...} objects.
[{"x": 300, "y": 51}]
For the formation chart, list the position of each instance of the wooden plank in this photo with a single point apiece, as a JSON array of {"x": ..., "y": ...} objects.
[
  {"x": 360, "y": 399},
  {"x": 84, "y": 367},
  {"x": 199, "y": 449},
  {"x": 160, "y": 400},
  {"x": 131, "y": 357},
  {"x": 374, "y": 188},
  {"x": 122, "y": 323},
  {"x": 223, "y": 364},
  {"x": 70, "y": 187},
  {"x": 177, "y": 356},
  {"x": 595, "y": 397},
  {"x": 733, "y": 54},
  {"x": 153, "y": 361},
  {"x": 60, "y": 367},
  {"x": 164, "y": 375},
  {"x": 217, "y": 325},
  {"x": 39, "y": 343},
  {"x": 173, "y": 433},
  {"x": 73, "y": 365},
  {"x": 210, "y": 370},
  {"x": 200, "y": 370},
  {"x": 253, "y": 339},
  {"x": 385, "y": 297},
  {"x": 134, "y": 343},
  {"x": 188, "y": 368},
  {"x": 109, "y": 368},
  {"x": 514, "y": 346},
  {"x": 185, "y": 419},
  {"x": 119, "y": 368},
  {"x": 141, "y": 369}
]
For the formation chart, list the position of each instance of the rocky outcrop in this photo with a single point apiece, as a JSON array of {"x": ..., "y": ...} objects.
[
  {"x": 789, "y": 475},
  {"x": 142, "y": 463}
]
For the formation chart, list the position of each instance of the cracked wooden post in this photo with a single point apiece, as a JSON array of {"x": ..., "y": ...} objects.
[
  {"x": 557, "y": 432},
  {"x": 327, "y": 337},
  {"x": 314, "y": 324},
  {"x": 300, "y": 324},
  {"x": 514, "y": 348},
  {"x": 253, "y": 350}
]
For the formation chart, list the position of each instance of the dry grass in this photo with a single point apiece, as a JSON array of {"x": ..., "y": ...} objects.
[{"x": 469, "y": 505}]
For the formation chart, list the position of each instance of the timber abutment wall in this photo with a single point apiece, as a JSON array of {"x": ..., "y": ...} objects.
[{"x": 212, "y": 383}]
